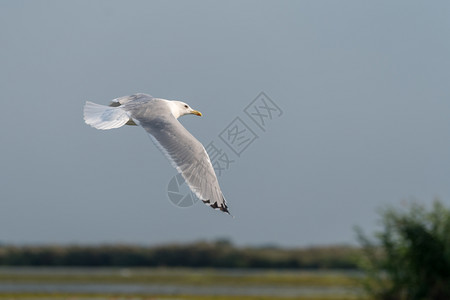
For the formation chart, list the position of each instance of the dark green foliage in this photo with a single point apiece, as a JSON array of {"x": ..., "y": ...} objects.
[
  {"x": 220, "y": 254},
  {"x": 410, "y": 259}
]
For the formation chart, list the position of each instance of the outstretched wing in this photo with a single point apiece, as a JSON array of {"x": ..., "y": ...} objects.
[
  {"x": 189, "y": 157},
  {"x": 140, "y": 97}
]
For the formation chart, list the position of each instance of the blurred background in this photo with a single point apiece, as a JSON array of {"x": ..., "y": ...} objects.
[{"x": 362, "y": 91}]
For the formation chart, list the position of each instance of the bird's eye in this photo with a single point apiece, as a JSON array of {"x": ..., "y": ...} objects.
[{"x": 186, "y": 106}]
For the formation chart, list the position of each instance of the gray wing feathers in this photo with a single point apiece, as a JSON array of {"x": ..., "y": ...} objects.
[
  {"x": 189, "y": 157},
  {"x": 123, "y": 100}
]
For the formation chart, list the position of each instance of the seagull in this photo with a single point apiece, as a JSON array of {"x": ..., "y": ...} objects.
[{"x": 159, "y": 117}]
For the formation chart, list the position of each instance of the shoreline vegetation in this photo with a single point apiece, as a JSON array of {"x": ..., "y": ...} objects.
[
  {"x": 220, "y": 254},
  {"x": 407, "y": 259},
  {"x": 202, "y": 270}
]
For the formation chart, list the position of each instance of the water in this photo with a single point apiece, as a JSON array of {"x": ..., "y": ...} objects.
[{"x": 25, "y": 283}]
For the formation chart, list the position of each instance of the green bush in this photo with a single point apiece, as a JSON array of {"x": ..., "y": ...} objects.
[{"x": 410, "y": 258}]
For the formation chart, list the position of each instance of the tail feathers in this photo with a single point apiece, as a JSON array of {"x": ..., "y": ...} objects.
[{"x": 104, "y": 117}]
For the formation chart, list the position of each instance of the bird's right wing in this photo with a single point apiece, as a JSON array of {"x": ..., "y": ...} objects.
[{"x": 189, "y": 157}]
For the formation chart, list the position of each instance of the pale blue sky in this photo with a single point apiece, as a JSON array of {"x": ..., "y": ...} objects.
[{"x": 363, "y": 85}]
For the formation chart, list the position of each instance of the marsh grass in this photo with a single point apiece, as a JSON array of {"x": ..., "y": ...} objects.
[
  {"x": 56, "y": 296},
  {"x": 192, "y": 277}
]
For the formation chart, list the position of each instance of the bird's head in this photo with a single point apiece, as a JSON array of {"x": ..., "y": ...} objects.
[{"x": 180, "y": 109}]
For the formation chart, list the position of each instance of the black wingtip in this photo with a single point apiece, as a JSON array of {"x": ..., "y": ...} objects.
[
  {"x": 114, "y": 104},
  {"x": 223, "y": 207}
]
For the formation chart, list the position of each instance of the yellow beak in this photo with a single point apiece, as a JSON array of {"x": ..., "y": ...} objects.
[{"x": 196, "y": 112}]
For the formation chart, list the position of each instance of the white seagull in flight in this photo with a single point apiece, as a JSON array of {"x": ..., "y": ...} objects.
[{"x": 159, "y": 118}]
